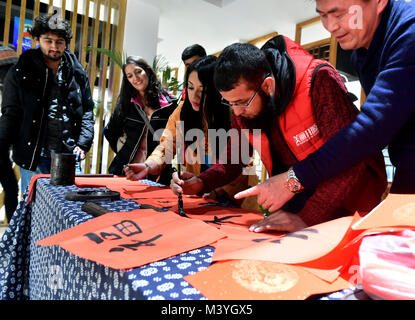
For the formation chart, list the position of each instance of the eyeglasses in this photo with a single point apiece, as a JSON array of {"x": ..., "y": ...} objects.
[{"x": 246, "y": 105}]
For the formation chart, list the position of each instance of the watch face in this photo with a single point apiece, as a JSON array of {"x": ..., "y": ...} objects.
[{"x": 293, "y": 185}]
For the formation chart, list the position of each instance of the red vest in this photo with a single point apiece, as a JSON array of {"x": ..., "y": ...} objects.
[{"x": 297, "y": 123}]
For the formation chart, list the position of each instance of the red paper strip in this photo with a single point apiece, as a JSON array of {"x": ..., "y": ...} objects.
[
  {"x": 216, "y": 215},
  {"x": 143, "y": 192},
  {"x": 172, "y": 201},
  {"x": 240, "y": 238},
  {"x": 296, "y": 247},
  {"x": 259, "y": 280},
  {"x": 123, "y": 240},
  {"x": 105, "y": 181},
  {"x": 158, "y": 202},
  {"x": 32, "y": 186},
  {"x": 395, "y": 210}
]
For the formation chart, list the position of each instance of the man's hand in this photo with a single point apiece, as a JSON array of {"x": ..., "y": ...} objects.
[
  {"x": 138, "y": 171},
  {"x": 80, "y": 152},
  {"x": 188, "y": 183},
  {"x": 279, "y": 221},
  {"x": 272, "y": 193}
]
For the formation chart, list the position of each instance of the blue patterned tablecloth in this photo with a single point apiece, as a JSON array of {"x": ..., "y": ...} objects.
[{"x": 30, "y": 271}]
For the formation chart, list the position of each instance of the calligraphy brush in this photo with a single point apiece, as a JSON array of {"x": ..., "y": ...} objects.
[{"x": 180, "y": 203}]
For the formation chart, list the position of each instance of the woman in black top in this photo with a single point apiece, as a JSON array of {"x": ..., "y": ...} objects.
[{"x": 141, "y": 114}]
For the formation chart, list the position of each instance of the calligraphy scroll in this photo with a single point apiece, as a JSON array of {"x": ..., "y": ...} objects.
[
  {"x": 395, "y": 210},
  {"x": 296, "y": 247},
  {"x": 105, "y": 181},
  {"x": 217, "y": 215},
  {"x": 123, "y": 240},
  {"x": 171, "y": 202},
  {"x": 260, "y": 280}
]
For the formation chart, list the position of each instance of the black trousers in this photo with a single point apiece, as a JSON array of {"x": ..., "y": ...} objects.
[{"x": 9, "y": 183}]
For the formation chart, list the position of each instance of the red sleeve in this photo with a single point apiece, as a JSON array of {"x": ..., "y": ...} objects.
[
  {"x": 223, "y": 173},
  {"x": 333, "y": 111}
]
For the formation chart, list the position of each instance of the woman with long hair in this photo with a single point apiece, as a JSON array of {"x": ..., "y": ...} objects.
[
  {"x": 187, "y": 131},
  {"x": 143, "y": 107}
]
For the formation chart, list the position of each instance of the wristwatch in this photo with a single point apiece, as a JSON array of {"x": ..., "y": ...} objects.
[{"x": 292, "y": 183}]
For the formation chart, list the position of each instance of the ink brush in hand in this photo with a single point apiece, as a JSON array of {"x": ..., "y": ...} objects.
[{"x": 180, "y": 203}]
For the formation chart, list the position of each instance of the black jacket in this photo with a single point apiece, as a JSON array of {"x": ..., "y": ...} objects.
[
  {"x": 128, "y": 120},
  {"x": 24, "y": 105}
]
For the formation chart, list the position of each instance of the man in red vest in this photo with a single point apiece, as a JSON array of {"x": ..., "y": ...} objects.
[{"x": 298, "y": 103}]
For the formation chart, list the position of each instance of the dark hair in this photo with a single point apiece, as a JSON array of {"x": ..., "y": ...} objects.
[
  {"x": 215, "y": 114},
  {"x": 240, "y": 61},
  {"x": 53, "y": 24},
  {"x": 153, "y": 90},
  {"x": 193, "y": 50}
]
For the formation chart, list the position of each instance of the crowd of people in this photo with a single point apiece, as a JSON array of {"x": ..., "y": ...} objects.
[{"x": 323, "y": 156}]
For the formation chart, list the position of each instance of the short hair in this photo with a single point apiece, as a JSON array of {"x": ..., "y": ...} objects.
[
  {"x": 193, "y": 50},
  {"x": 53, "y": 24},
  {"x": 240, "y": 61}
]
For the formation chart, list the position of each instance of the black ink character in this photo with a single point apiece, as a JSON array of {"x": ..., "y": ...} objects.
[
  {"x": 219, "y": 221},
  {"x": 104, "y": 236},
  {"x": 137, "y": 244},
  {"x": 128, "y": 228},
  {"x": 296, "y": 234}
]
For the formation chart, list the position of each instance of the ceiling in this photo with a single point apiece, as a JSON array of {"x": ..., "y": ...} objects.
[{"x": 215, "y": 24}]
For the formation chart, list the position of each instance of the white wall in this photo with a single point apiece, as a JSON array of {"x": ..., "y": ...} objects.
[{"x": 141, "y": 30}]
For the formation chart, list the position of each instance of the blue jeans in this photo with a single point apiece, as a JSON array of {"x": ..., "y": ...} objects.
[{"x": 42, "y": 167}]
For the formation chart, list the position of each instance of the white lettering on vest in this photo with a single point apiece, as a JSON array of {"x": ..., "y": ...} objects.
[{"x": 306, "y": 135}]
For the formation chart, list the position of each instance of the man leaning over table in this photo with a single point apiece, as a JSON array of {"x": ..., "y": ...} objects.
[
  {"x": 298, "y": 103},
  {"x": 47, "y": 104},
  {"x": 381, "y": 34}
]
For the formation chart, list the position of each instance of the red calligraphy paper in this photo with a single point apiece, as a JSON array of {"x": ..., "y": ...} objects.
[
  {"x": 123, "y": 240},
  {"x": 171, "y": 202},
  {"x": 260, "y": 280},
  {"x": 195, "y": 200},
  {"x": 158, "y": 202},
  {"x": 216, "y": 215},
  {"x": 297, "y": 247},
  {"x": 105, "y": 181},
  {"x": 395, "y": 210},
  {"x": 143, "y": 192},
  {"x": 337, "y": 261},
  {"x": 328, "y": 267},
  {"x": 242, "y": 233},
  {"x": 32, "y": 186},
  {"x": 239, "y": 237}
]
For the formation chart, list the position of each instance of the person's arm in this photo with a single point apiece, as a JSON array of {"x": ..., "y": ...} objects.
[
  {"x": 161, "y": 155},
  {"x": 164, "y": 153},
  {"x": 333, "y": 111},
  {"x": 389, "y": 105},
  {"x": 114, "y": 128},
  {"x": 86, "y": 136},
  {"x": 216, "y": 176},
  {"x": 221, "y": 174},
  {"x": 12, "y": 113}
]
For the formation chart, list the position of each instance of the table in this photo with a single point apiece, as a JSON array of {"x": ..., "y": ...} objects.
[
  {"x": 54, "y": 273},
  {"x": 31, "y": 271}
]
